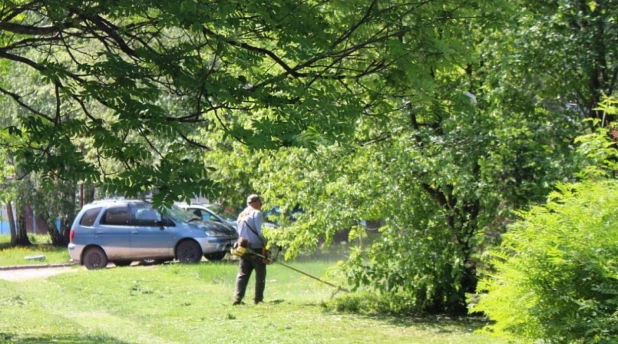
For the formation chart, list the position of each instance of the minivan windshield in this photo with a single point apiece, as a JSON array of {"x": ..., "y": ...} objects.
[
  {"x": 222, "y": 212},
  {"x": 180, "y": 215}
]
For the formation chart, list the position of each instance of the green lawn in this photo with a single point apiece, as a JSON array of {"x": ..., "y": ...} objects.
[
  {"x": 192, "y": 304},
  {"x": 175, "y": 303},
  {"x": 11, "y": 256}
]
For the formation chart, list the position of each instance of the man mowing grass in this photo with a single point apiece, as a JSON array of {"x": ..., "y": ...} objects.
[{"x": 250, "y": 232}]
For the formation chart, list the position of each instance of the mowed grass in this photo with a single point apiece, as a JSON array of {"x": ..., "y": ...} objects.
[
  {"x": 174, "y": 303},
  {"x": 12, "y": 256}
]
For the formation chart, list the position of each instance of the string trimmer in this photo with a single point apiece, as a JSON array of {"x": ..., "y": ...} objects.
[{"x": 240, "y": 250}]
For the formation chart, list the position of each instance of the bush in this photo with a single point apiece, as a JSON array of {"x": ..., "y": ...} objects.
[
  {"x": 367, "y": 303},
  {"x": 557, "y": 270}
]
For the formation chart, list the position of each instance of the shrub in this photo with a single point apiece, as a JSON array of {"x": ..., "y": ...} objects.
[
  {"x": 557, "y": 270},
  {"x": 368, "y": 303}
]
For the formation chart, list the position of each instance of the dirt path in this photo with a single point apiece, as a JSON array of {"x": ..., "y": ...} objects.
[{"x": 30, "y": 273}]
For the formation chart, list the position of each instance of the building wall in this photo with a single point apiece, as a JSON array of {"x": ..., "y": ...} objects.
[
  {"x": 4, "y": 221},
  {"x": 40, "y": 227}
]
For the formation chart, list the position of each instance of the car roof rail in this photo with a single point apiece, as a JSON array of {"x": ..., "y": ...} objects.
[{"x": 118, "y": 200}]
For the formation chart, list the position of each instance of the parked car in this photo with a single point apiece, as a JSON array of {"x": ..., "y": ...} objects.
[
  {"x": 123, "y": 231},
  {"x": 211, "y": 212},
  {"x": 214, "y": 212}
]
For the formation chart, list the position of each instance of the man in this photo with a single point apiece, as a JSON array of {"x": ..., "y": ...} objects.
[{"x": 250, "y": 227}]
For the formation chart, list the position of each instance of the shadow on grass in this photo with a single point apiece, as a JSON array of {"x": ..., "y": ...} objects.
[
  {"x": 77, "y": 339},
  {"x": 439, "y": 323},
  {"x": 34, "y": 247}
]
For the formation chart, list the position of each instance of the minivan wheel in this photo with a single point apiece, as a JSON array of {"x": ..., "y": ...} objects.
[
  {"x": 95, "y": 258},
  {"x": 215, "y": 256},
  {"x": 189, "y": 251}
]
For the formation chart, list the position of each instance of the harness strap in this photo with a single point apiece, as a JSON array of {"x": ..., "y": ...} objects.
[
  {"x": 265, "y": 253},
  {"x": 256, "y": 233}
]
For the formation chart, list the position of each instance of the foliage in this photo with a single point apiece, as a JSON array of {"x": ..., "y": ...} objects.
[
  {"x": 560, "y": 56},
  {"x": 556, "y": 277},
  {"x": 443, "y": 173},
  {"x": 475, "y": 136},
  {"x": 440, "y": 193},
  {"x": 599, "y": 147},
  {"x": 371, "y": 304},
  {"x": 138, "y": 83}
]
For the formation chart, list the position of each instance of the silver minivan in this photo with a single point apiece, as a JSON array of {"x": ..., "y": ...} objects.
[{"x": 123, "y": 231}]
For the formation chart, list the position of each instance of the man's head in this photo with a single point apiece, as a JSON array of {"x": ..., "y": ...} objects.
[{"x": 254, "y": 201}]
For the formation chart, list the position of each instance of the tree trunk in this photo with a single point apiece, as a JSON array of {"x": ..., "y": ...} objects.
[
  {"x": 22, "y": 233},
  {"x": 55, "y": 234},
  {"x": 65, "y": 228},
  {"x": 69, "y": 199},
  {"x": 11, "y": 218},
  {"x": 89, "y": 194}
]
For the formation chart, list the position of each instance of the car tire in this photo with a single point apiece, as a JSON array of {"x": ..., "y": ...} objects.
[
  {"x": 189, "y": 251},
  {"x": 122, "y": 262},
  {"x": 95, "y": 258},
  {"x": 215, "y": 256}
]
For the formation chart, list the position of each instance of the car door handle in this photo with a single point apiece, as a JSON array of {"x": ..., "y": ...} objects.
[
  {"x": 134, "y": 232},
  {"x": 99, "y": 232}
]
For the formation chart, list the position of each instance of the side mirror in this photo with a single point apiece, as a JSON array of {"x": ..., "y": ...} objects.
[{"x": 160, "y": 223}]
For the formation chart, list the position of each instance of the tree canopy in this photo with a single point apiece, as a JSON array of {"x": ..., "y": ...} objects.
[{"x": 131, "y": 82}]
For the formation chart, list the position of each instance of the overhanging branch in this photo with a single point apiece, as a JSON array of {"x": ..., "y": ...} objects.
[{"x": 48, "y": 30}]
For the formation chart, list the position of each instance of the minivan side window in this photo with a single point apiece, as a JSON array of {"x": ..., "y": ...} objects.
[
  {"x": 145, "y": 217},
  {"x": 117, "y": 216},
  {"x": 89, "y": 217}
]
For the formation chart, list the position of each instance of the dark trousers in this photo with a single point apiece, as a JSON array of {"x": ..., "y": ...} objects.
[{"x": 246, "y": 265}]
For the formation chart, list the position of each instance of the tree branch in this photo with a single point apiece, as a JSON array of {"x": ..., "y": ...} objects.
[
  {"x": 279, "y": 61},
  {"x": 49, "y": 30},
  {"x": 192, "y": 142},
  {"x": 17, "y": 99}
]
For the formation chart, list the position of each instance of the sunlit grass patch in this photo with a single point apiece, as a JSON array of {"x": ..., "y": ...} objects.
[
  {"x": 41, "y": 252},
  {"x": 176, "y": 303}
]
